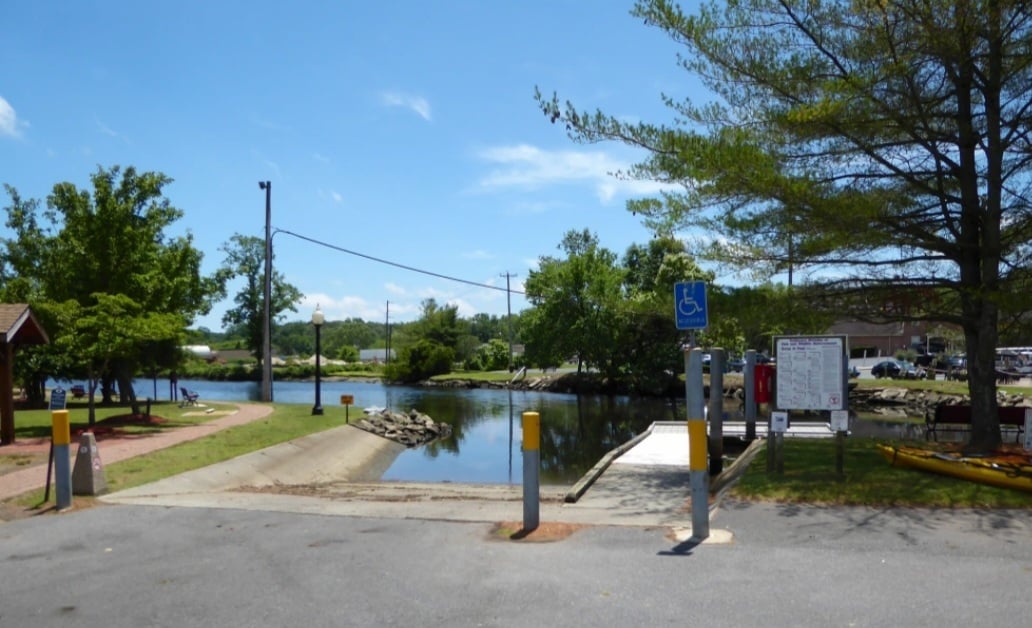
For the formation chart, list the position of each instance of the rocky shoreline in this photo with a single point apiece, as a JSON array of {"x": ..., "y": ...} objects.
[
  {"x": 890, "y": 401},
  {"x": 410, "y": 429}
]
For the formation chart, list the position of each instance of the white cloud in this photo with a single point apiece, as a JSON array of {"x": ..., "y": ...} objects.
[
  {"x": 106, "y": 130},
  {"x": 9, "y": 123},
  {"x": 417, "y": 104},
  {"x": 530, "y": 167},
  {"x": 394, "y": 288},
  {"x": 336, "y": 196},
  {"x": 338, "y": 308},
  {"x": 478, "y": 254}
]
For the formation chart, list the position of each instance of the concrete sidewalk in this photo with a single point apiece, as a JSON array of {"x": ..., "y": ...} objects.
[{"x": 115, "y": 450}]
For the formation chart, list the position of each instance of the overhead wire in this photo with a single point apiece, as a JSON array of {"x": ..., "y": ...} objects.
[{"x": 396, "y": 264}]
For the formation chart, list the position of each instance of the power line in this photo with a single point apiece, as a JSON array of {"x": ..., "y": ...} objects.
[{"x": 397, "y": 265}]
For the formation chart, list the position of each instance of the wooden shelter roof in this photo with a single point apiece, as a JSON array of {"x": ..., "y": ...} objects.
[{"x": 19, "y": 326}]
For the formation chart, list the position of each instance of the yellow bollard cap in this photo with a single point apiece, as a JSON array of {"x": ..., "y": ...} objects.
[
  {"x": 531, "y": 431},
  {"x": 61, "y": 430}
]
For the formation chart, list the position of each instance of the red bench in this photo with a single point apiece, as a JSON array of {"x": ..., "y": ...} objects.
[{"x": 957, "y": 418}]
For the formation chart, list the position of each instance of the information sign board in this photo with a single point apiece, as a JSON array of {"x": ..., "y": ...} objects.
[{"x": 811, "y": 373}]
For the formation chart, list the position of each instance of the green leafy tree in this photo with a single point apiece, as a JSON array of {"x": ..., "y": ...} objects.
[
  {"x": 883, "y": 144},
  {"x": 114, "y": 330},
  {"x": 348, "y": 353},
  {"x": 420, "y": 361},
  {"x": 245, "y": 259},
  {"x": 650, "y": 342},
  {"x": 438, "y": 323},
  {"x": 107, "y": 242},
  {"x": 575, "y": 306},
  {"x": 354, "y": 332}
]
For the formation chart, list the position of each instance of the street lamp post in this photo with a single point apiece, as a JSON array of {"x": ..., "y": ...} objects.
[
  {"x": 267, "y": 300},
  {"x": 317, "y": 320}
]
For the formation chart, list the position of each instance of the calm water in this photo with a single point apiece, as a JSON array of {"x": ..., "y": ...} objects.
[{"x": 576, "y": 431}]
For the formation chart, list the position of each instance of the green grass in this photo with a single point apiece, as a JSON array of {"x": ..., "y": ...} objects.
[
  {"x": 37, "y": 423},
  {"x": 286, "y": 422},
  {"x": 476, "y": 376},
  {"x": 868, "y": 479}
]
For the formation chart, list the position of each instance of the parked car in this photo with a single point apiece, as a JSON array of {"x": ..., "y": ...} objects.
[
  {"x": 896, "y": 369},
  {"x": 889, "y": 368}
]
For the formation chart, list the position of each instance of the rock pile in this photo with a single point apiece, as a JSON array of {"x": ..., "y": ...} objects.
[{"x": 412, "y": 429}]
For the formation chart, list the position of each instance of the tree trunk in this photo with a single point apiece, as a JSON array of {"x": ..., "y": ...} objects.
[
  {"x": 127, "y": 393},
  {"x": 981, "y": 359}
]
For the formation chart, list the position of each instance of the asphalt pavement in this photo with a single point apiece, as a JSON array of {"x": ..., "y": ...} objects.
[
  {"x": 299, "y": 535},
  {"x": 801, "y": 566}
]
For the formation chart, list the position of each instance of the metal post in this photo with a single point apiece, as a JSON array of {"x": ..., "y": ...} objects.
[
  {"x": 61, "y": 437},
  {"x": 716, "y": 411},
  {"x": 387, "y": 331},
  {"x": 749, "y": 381},
  {"x": 508, "y": 303},
  {"x": 531, "y": 467},
  {"x": 267, "y": 300},
  {"x": 697, "y": 464}
]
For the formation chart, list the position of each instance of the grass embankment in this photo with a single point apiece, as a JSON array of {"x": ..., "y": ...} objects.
[{"x": 286, "y": 422}]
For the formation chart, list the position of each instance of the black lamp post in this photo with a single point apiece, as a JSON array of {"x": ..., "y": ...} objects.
[{"x": 317, "y": 320}]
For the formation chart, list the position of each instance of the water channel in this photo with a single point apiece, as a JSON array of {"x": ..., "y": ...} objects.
[{"x": 576, "y": 431}]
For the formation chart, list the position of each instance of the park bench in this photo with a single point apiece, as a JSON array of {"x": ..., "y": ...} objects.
[
  {"x": 189, "y": 397},
  {"x": 957, "y": 418}
]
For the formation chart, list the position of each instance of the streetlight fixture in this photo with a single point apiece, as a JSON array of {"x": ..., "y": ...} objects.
[
  {"x": 317, "y": 321},
  {"x": 267, "y": 301}
]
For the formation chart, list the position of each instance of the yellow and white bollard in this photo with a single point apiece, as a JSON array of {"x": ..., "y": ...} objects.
[
  {"x": 698, "y": 466},
  {"x": 61, "y": 437},
  {"x": 531, "y": 470}
]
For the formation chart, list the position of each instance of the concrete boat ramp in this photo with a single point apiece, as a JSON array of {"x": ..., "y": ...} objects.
[{"x": 643, "y": 483}]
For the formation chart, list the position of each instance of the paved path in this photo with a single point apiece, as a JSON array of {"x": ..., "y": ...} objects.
[{"x": 118, "y": 449}]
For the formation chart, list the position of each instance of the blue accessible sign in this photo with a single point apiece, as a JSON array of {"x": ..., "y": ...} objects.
[{"x": 690, "y": 305}]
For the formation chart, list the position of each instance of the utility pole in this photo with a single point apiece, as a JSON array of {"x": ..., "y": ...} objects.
[
  {"x": 267, "y": 301},
  {"x": 387, "y": 331},
  {"x": 508, "y": 304}
]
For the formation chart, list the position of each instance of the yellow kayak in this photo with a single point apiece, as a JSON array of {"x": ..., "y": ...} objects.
[{"x": 1008, "y": 469}]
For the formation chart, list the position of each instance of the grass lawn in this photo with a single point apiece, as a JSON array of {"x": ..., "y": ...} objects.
[{"x": 868, "y": 480}]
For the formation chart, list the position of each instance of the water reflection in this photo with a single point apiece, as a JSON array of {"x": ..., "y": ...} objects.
[{"x": 576, "y": 431}]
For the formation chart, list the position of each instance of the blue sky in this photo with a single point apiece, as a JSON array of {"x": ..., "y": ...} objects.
[{"x": 402, "y": 130}]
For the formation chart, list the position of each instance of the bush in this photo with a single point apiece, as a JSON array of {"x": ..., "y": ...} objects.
[{"x": 421, "y": 361}]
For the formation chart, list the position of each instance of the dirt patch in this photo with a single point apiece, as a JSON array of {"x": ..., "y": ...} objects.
[
  {"x": 112, "y": 427},
  {"x": 547, "y": 532},
  {"x": 10, "y": 511}
]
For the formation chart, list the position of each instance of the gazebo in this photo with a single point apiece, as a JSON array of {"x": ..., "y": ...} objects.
[{"x": 18, "y": 326}]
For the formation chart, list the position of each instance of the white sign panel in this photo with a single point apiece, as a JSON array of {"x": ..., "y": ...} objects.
[
  {"x": 779, "y": 422},
  {"x": 839, "y": 420},
  {"x": 810, "y": 373}
]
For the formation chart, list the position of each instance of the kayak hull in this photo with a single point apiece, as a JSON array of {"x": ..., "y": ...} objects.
[{"x": 1006, "y": 470}]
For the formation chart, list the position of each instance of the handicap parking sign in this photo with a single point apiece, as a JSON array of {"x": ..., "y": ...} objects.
[{"x": 690, "y": 305}]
